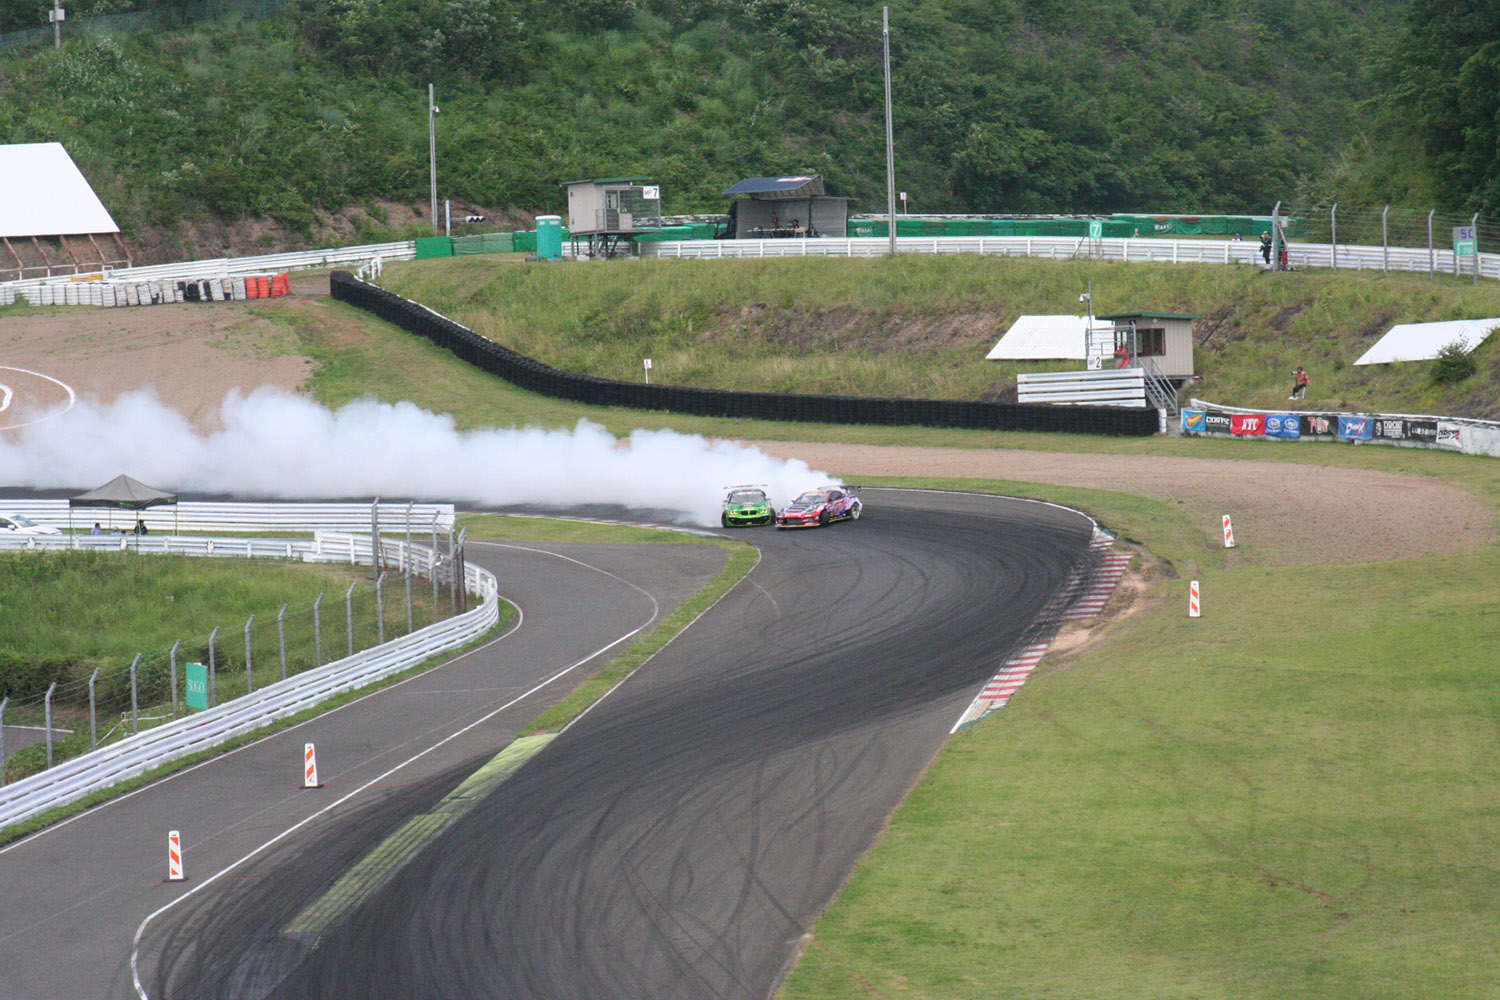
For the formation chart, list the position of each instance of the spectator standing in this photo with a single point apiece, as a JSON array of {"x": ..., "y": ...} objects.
[{"x": 1265, "y": 247}]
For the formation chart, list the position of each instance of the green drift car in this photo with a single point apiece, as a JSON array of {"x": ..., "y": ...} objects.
[{"x": 745, "y": 506}]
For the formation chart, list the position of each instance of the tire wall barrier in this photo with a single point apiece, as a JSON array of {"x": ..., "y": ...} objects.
[{"x": 543, "y": 379}]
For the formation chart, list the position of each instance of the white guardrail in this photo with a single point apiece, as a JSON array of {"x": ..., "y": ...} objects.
[
  {"x": 135, "y": 755},
  {"x": 225, "y": 267},
  {"x": 195, "y": 515},
  {"x": 1362, "y": 258}
]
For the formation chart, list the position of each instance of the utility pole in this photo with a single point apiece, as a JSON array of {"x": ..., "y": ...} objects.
[
  {"x": 432, "y": 113},
  {"x": 890, "y": 146},
  {"x": 57, "y": 15}
]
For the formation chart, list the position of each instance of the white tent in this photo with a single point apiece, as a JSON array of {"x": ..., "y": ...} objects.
[
  {"x": 1043, "y": 338},
  {"x": 1422, "y": 341},
  {"x": 42, "y": 193}
]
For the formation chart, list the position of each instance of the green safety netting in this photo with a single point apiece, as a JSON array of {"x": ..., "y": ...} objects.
[{"x": 484, "y": 243}]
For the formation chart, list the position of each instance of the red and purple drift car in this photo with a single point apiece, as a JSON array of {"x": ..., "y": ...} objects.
[{"x": 816, "y": 508}]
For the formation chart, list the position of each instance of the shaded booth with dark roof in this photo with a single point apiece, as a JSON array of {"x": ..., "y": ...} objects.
[
  {"x": 121, "y": 493},
  {"x": 785, "y": 208}
]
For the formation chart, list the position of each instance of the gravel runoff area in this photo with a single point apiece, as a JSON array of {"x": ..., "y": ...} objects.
[{"x": 1283, "y": 512}]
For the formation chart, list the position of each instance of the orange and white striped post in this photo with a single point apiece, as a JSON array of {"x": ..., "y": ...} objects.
[
  {"x": 174, "y": 857},
  {"x": 309, "y": 767},
  {"x": 1228, "y": 533},
  {"x": 1194, "y": 609}
]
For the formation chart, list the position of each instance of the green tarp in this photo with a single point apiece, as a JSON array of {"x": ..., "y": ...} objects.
[{"x": 434, "y": 246}]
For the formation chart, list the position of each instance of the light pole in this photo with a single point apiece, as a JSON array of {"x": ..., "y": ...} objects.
[
  {"x": 890, "y": 147},
  {"x": 57, "y": 15},
  {"x": 432, "y": 113}
]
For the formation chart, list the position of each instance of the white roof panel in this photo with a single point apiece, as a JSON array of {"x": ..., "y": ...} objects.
[
  {"x": 42, "y": 193},
  {"x": 1044, "y": 338},
  {"x": 1422, "y": 341}
]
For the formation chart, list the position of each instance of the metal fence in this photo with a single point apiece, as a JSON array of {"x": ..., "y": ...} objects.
[
  {"x": 1146, "y": 249},
  {"x": 76, "y": 714},
  {"x": 166, "y": 17},
  {"x": 136, "y": 754}
]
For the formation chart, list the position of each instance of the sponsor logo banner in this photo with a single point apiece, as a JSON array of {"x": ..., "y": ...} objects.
[
  {"x": 1317, "y": 425},
  {"x": 1193, "y": 422},
  {"x": 1283, "y": 425},
  {"x": 1422, "y": 430},
  {"x": 1450, "y": 435},
  {"x": 1356, "y": 428},
  {"x": 1217, "y": 423},
  {"x": 1391, "y": 428},
  {"x": 1247, "y": 423}
]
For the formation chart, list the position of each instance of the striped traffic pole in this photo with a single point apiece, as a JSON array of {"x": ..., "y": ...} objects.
[
  {"x": 174, "y": 857},
  {"x": 1194, "y": 610},
  {"x": 1228, "y": 533},
  {"x": 309, "y": 767}
]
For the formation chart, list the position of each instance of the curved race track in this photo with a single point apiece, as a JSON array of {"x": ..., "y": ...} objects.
[{"x": 678, "y": 840}]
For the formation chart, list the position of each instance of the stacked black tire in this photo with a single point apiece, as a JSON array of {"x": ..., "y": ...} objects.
[{"x": 535, "y": 376}]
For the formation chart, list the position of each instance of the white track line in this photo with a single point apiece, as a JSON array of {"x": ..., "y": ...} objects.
[
  {"x": 5, "y": 394},
  {"x": 72, "y": 397},
  {"x": 135, "y": 975}
]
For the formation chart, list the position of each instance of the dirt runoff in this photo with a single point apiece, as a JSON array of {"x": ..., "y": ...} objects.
[
  {"x": 1281, "y": 512},
  {"x": 193, "y": 354}
]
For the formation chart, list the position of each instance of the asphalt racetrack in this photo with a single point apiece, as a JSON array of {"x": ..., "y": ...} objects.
[{"x": 679, "y": 839}]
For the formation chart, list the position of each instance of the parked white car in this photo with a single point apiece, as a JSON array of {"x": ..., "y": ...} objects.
[{"x": 20, "y": 524}]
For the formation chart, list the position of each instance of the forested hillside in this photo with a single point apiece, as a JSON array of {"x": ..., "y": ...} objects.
[{"x": 1001, "y": 105}]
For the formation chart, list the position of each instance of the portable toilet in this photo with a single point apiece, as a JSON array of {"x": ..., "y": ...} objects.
[{"x": 549, "y": 236}]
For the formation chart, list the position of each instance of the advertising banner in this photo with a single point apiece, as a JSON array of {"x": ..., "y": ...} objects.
[
  {"x": 1424, "y": 431},
  {"x": 1193, "y": 422},
  {"x": 1217, "y": 423},
  {"x": 1283, "y": 425},
  {"x": 1359, "y": 428},
  {"x": 1450, "y": 435},
  {"x": 1247, "y": 423},
  {"x": 1317, "y": 425},
  {"x": 197, "y": 685},
  {"x": 1390, "y": 428}
]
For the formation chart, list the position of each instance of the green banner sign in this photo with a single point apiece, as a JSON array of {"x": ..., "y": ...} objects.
[{"x": 197, "y": 685}]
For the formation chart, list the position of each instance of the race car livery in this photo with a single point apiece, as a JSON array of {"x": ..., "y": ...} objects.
[
  {"x": 746, "y": 505},
  {"x": 816, "y": 508}
]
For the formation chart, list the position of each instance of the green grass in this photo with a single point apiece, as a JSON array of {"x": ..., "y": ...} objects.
[
  {"x": 920, "y": 325},
  {"x": 1294, "y": 795}
]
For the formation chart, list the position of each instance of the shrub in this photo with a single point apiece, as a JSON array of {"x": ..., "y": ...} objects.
[{"x": 1454, "y": 363}]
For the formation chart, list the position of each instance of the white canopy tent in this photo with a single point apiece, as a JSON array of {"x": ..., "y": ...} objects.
[
  {"x": 43, "y": 193},
  {"x": 1045, "y": 338},
  {"x": 1423, "y": 341}
]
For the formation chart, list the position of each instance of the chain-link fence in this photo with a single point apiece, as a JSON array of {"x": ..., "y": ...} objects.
[
  {"x": 1387, "y": 226},
  {"x": 74, "y": 716},
  {"x": 164, "y": 18}
]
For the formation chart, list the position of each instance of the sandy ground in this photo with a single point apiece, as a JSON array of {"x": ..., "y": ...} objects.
[
  {"x": 1281, "y": 512},
  {"x": 195, "y": 353}
]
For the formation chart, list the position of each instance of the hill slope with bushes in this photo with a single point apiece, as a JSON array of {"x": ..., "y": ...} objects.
[{"x": 1034, "y": 106}]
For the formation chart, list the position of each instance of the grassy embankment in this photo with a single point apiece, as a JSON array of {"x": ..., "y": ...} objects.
[
  {"x": 921, "y": 325},
  {"x": 1293, "y": 795}
]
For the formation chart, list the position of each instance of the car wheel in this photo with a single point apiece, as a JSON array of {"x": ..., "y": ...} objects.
[
  {"x": 724, "y": 520},
  {"x": 823, "y": 517},
  {"x": 854, "y": 511}
]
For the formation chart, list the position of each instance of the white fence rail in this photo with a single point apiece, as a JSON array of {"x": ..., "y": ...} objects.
[
  {"x": 224, "y": 267},
  {"x": 1110, "y": 387},
  {"x": 135, "y": 755},
  {"x": 194, "y": 515},
  {"x": 1067, "y": 248}
]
